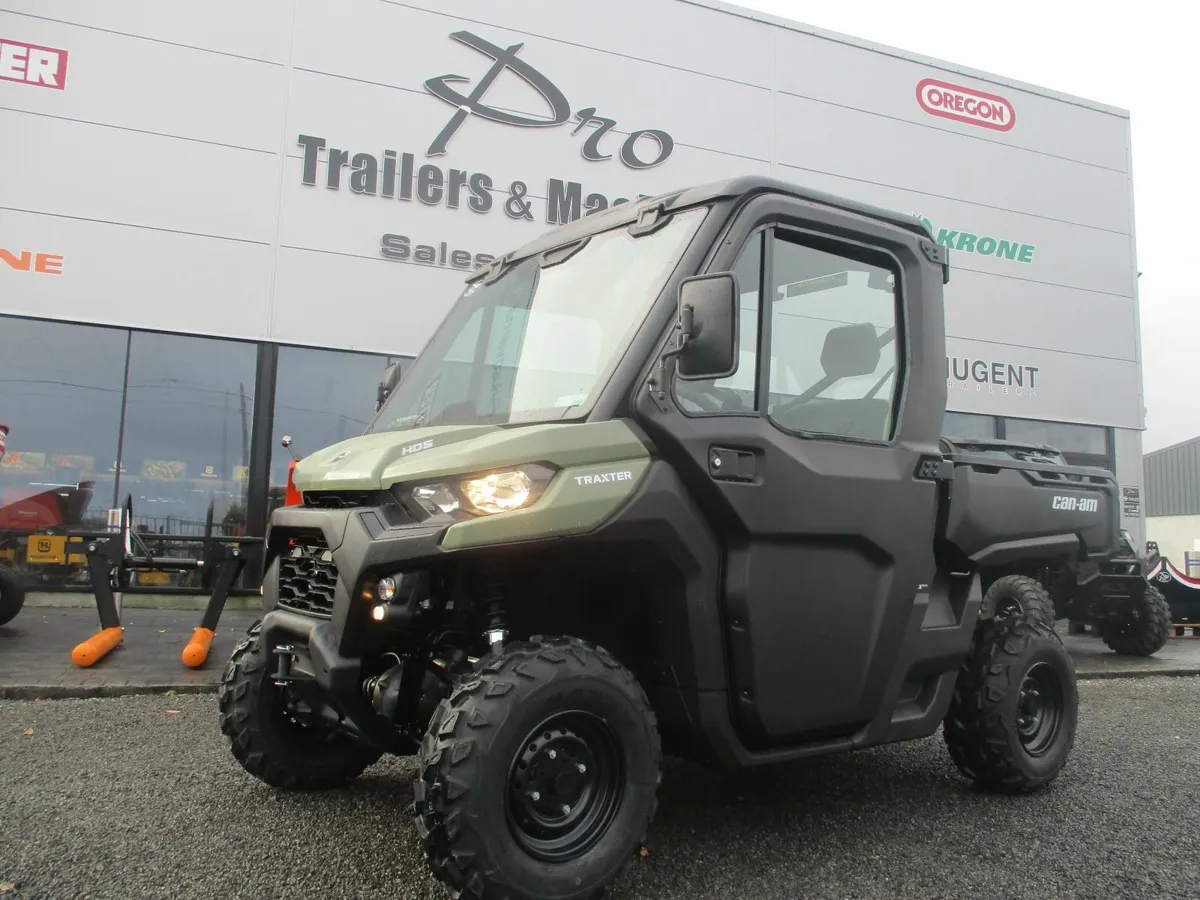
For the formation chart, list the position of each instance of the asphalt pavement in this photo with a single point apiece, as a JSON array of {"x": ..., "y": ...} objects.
[{"x": 138, "y": 797}]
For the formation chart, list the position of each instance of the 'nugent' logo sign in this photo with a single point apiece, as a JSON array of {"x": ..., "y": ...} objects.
[{"x": 992, "y": 376}]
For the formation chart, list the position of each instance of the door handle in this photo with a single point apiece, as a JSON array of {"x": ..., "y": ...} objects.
[{"x": 731, "y": 464}]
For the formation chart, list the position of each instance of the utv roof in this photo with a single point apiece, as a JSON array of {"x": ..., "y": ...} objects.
[{"x": 627, "y": 213}]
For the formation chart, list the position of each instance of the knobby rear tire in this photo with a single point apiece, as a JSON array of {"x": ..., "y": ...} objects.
[
  {"x": 1145, "y": 630},
  {"x": 1020, "y": 594},
  {"x": 983, "y": 727}
]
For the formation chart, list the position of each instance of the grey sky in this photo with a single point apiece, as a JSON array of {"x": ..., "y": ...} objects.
[{"x": 1140, "y": 57}]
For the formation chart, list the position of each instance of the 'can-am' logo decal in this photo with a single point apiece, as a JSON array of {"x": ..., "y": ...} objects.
[
  {"x": 1076, "y": 504},
  {"x": 951, "y": 101}
]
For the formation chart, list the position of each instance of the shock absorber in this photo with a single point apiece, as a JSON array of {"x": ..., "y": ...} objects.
[{"x": 492, "y": 595}]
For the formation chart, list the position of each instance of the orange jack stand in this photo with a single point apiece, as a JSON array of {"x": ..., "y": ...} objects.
[
  {"x": 228, "y": 563},
  {"x": 98, "y": 646},
  {"x": 196, "y": 651},
  {"x": 103, "y": 556}
]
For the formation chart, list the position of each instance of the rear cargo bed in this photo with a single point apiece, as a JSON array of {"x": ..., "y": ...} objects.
[{"x": 1005, "y": 503}]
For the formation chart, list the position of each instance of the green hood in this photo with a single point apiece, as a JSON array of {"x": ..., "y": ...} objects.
[{"x": 378, "y": 461}]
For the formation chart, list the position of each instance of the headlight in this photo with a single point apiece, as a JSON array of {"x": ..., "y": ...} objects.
[
  {"x": 435, "y": 498},
  {"x": 486, "y": 493},
  {"x": 498, "y": 492}
]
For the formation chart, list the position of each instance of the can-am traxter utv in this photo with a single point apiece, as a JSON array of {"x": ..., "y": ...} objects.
[{"x": 669, "y": 478}]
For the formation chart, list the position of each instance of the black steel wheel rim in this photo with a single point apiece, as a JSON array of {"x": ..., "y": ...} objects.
[
  {"x": 1040, "y": 709},
  {"x": 565, "y": 785}
]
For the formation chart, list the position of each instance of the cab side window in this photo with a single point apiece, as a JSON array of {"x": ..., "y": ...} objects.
[
  {"x": 738, "y": 392},
  {"x": 834, "y": 353}
]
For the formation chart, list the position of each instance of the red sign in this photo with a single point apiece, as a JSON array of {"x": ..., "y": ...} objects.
[
  {"x": 31, "y": 64},
  {"x": 952, "y": 101},
  {"x": 32, "y": 261}
]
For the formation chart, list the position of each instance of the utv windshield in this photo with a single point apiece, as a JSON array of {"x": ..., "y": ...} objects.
[{"x": 540, "y": 342}]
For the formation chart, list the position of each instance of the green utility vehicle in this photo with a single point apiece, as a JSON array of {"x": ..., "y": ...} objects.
[{"x": 669, "y": 478}]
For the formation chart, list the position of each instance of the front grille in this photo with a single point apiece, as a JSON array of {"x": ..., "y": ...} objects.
[
  {"x": 307, "y": 577},
  {"x": 342, "y": 499}
]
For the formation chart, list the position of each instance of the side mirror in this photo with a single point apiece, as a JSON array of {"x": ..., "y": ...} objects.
[
  {"x": 708, "y": 316},
  {"x": 391, "y": 378},
  {"x": 287, "y": 443}
]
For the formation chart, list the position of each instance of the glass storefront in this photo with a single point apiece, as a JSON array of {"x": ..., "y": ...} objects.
[
  {"x": 61, "y": 389},
  {"x": 321, "y": 397},
  {"x": 188, "y": 413},
  {"x": 1075, "y": 441},
  {"x": 968, "y": 425},
  {"x": 1081, "y": 445},
  {"x": 97, "y": 414}
]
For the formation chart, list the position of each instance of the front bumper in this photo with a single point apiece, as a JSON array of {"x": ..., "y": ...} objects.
[
  {"x": 355, "y": 546},
  {"x": 330, "y": 627},
  {"x": 338, "y": 676}
]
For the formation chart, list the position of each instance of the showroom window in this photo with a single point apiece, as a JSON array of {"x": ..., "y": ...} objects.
[
  {"x": 1084, "y": 445},
  {"x": 321, "y": 397},
  {"x": 968, "y": 425},
  {"x": 188, "y": 418},
  {"x": 96, "y": 414},
  {"x": 60, "y": 396}
]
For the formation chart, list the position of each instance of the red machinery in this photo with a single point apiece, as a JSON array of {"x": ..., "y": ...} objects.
[
  {"x": 24, "y": 514},
  {"x": 57, "y": 508}
]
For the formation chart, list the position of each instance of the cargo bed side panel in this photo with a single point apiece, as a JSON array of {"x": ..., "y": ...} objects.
[{"x": 1002, "y": 512}]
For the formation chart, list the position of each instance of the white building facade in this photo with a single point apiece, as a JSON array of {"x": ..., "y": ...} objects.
[{"x": 219, "y": 221}]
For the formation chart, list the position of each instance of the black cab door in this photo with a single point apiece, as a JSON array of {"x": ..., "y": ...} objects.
[{"x": 805, "y": 462}]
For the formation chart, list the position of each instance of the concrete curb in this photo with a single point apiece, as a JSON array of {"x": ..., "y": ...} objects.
[
  {"x": 111, "y": 691},
  {"x": 103, "y": 691},
  {"x": 192, "y": 602},
  {"x": 1173, "y": 672}
]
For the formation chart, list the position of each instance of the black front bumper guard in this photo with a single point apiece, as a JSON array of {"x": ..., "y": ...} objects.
[
  {"x": 339, "y": 678},
  {"x": 363, "y": 543}
]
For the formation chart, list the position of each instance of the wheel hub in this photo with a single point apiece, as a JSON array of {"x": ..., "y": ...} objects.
[
  {"x": 565, "y": 784},
  {"x": 556, "y": 773},
  {"x": 1039, "y": 709}
]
